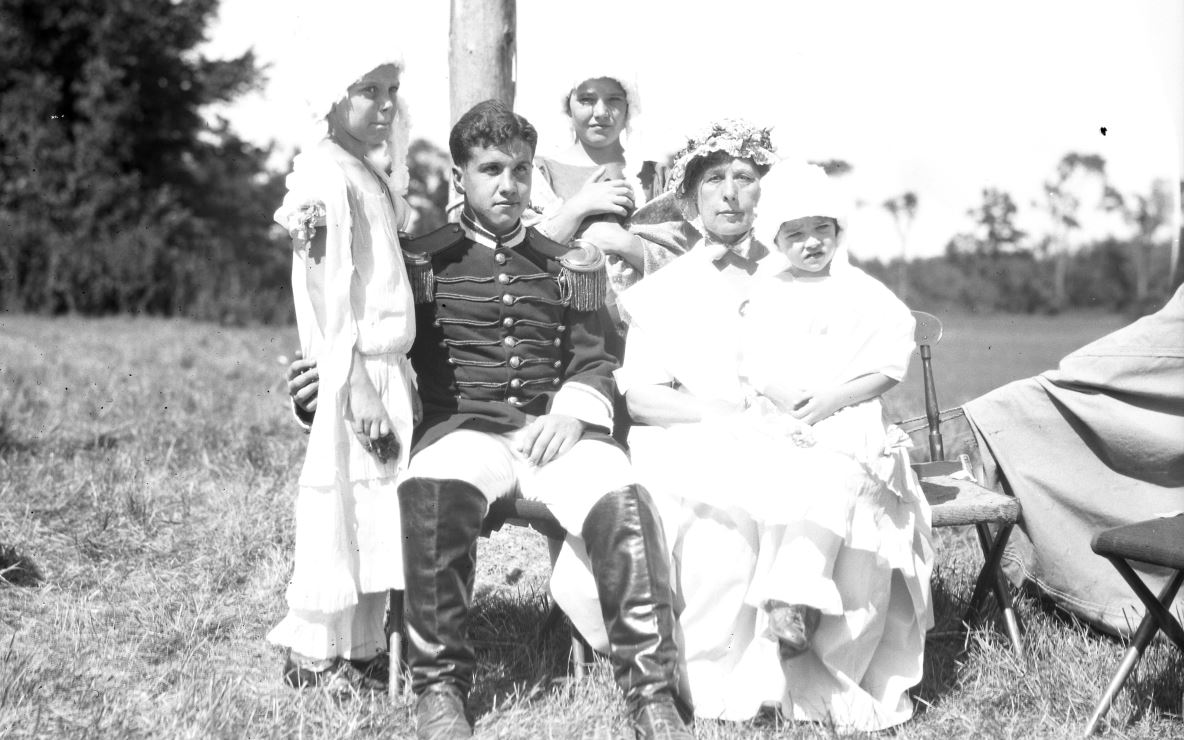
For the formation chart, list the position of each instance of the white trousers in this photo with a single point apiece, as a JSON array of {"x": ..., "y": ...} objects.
[{"x": 570, "y": 485}]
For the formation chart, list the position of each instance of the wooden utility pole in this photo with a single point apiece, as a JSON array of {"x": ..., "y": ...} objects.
[{"x": 481, "y": 48}]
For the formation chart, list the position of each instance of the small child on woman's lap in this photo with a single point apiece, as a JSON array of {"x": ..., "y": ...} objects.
[
  {"x": 356, "y": 317},
  {"x": 821, "y": 342}
]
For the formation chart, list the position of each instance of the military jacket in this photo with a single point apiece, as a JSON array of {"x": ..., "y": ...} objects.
[{"x": 507, "y": 329}]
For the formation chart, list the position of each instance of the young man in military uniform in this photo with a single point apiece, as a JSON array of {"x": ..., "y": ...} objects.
[{"x": 517, "y": 396}]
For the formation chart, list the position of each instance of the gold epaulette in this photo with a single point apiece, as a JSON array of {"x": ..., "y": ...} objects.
[
  {"x": 417, "y": 256},
  {"x": 583, "y": 282}
]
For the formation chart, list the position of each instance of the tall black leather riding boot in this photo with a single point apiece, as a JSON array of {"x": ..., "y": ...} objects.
[
  {"x": 627, "y": 551},
  {"x": 441, "y": 522}
]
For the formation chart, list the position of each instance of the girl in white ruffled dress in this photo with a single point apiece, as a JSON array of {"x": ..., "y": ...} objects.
[
  {"x": 355, "y": 312},
  {"x": 803, "y": 546}
]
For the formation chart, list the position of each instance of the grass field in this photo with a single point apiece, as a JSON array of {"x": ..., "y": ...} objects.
[{"x": 146, "y": 481}]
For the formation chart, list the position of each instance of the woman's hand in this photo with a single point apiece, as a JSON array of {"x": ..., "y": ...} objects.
[
  {"x": 602, "y": 195},
  {"x": 304, "y": 380},
  {"x": 369, "y": 420},
  {"x": 616, "y": 241},
  {"x": 548, "y": 437},
  {"x": 786, "y": 399}
]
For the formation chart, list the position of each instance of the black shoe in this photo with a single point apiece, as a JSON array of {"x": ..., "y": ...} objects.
[
  {"x": 794, "y": 626},
  {"x": 659, "y": 720},
  {"x": 440, "y": 714},
  {"x": 302, "y": 672},
  {"x": 334, "y": 674}
]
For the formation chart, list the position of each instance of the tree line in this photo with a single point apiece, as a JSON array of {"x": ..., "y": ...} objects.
[{"x": 118, "y": 196}]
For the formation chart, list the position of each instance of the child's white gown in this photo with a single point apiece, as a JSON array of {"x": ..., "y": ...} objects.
[
  {"x": 348, "y": 533},
  {"x": 841, "y": 525}
]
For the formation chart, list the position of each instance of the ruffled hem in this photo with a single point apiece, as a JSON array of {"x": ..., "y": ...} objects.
[
  {"x": 357, "y": 632},
  {"x": 347, "y": 542}
]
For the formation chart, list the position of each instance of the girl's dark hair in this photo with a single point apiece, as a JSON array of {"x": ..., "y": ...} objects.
[{"x": 488, "y": 123}]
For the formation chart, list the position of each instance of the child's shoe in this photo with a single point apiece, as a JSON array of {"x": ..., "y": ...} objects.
[{"x": 793, "y": 625}]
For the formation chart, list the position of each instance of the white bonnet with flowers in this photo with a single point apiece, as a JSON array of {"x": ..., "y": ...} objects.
[
  {"x": 325, "y": 80},
  {"x": 793, "y": 190},
  {"x": 737, "y": 137}
]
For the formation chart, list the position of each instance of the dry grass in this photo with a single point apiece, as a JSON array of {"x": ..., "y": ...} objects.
[{"x": 146, "y": 480}]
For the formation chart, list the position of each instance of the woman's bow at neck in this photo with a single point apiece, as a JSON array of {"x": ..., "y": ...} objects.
[{"x": 741, "y": 245}]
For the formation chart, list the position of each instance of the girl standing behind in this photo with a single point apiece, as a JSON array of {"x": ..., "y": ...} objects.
[
  {"x": 356, "y": 317},
  {"x": 586, "y": 190}
]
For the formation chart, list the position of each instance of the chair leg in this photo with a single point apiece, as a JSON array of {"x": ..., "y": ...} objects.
[
  {"x": 1010, "y": 622},
  {"x": 1156, "y": 607},
  {"x": 1003, "y": 595},
  {"x": 394, "y": 633},
  {"x": 1143, "y": 635},
  {"x": 580, "y": 656},
  {"x": 993, "y": 554}
]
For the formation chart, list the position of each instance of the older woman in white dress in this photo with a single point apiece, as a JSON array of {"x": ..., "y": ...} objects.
[{"x": 802, "y": 561}]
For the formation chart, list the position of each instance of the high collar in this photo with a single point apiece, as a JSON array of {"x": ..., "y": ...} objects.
[{"x": 475, "y": 232}]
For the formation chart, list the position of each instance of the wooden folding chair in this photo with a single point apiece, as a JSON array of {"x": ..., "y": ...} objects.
[
  {"x": 517, "y": 512},
  {"x": 956, "y": 498},
  {"x": 1155, "y": 542}
]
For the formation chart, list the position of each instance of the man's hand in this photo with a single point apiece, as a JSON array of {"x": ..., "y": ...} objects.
[
  {"x": 548, "y": 437},
  {"x": 304, "y": 380}
]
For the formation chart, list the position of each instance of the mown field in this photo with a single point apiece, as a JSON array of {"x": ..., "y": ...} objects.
[{"x": 146, "y": 482}]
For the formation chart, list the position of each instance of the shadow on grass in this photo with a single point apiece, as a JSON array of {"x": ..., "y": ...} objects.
[
  {"x": 17, "y": 569},
  {"x": 519, "y": 653}
]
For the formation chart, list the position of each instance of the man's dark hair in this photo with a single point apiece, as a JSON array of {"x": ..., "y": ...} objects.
[{"x": 488, "y": 123}]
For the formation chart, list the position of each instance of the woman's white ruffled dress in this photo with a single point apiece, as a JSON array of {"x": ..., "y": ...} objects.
[{"x": 832, "y": 517}]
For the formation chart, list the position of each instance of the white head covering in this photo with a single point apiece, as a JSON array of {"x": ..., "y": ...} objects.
[
  {"x": 795, "y": 190},
  {"x": 627, "y": 81},
  {"x": 325, "y": 78}
]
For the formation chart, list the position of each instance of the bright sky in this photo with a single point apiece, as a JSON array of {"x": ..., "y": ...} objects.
[{"x": 941, "y": 98}]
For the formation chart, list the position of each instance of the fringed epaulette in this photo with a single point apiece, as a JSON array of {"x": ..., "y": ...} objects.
[
  {"x": 417, "y": 256},
  {"x": 583, "y": 282}
]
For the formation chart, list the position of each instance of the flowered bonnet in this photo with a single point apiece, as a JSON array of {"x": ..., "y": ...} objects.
[
  {"x": 324, "y": 81},
  {"x": 737, "y": 137}
]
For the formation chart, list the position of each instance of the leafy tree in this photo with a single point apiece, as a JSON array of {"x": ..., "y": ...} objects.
[
  {"x": 904, "y": 210},
  {"x": 1063, "y": 204},
  {"x": 995, "y": 231},
  {"x": 1148, "y": 214},
  {"x": 115, "y": 194}
]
